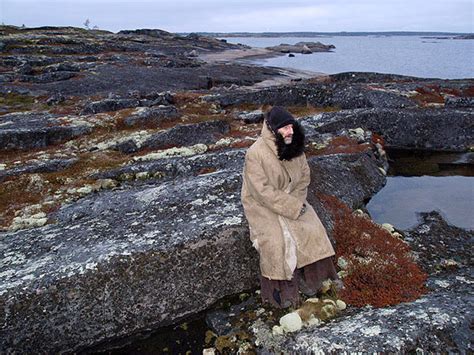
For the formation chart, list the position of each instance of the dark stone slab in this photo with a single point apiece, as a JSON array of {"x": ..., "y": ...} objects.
[
  {"x": 40, "y": 167},
  {"x": 36, "y": 130},
  {"x": 151, "y": 116},
  {"x": 428, "y": 129},
  {"x": 181, "y": 135},
  {"x": 109, "y": 105},
  {"x": 123, "y": 261}
]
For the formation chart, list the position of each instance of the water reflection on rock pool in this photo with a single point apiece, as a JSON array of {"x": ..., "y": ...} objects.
[{"x": 442, "y": 182}]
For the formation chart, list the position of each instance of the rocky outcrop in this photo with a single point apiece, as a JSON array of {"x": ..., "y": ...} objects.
[
  {"x": 109, "y": 105},
  {"x": 78, "y": 62},
  {"x": 302, "y": 47},
  {"x": 426, "y": 129},
  {"x": 37, "y": 130},
  {"x": 322, "y": 95},
  {"x": 47, "y": 166},
  {"x": 125, "y": 260},
  {"x": 178, "y": 136},
  {"x": 151, "y": 116}
]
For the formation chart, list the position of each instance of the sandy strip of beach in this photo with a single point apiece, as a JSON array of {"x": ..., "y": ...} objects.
[{"x": 247, "y": 54}]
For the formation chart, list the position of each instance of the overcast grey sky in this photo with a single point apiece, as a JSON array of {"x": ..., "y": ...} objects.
[{"x": 246, "y": 15}]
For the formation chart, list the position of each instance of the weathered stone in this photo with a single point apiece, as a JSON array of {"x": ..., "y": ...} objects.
[
  {"x": 40, "y": 167},
  {"x": 459, "y": 102},
  {"x": 256, "y": 116},
  {"x": 143, "y": 247},
  {"x": 145, "y": 266},
  {"x": 109, "y": 105},
  {"x": 151, "y": 116},
  {"x": 434, "y": 241},
  {"x": 36, "y": 130},
  {"x": 182, "y": 135},
  {"x": 428, "y": 129},
  {"x": 319, "y": 94}
]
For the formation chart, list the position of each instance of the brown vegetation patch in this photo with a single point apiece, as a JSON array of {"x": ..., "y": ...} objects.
[
  {"x": 16, "y": 193},
  {"x": 185, "y": 97},
  {"x": 428, "y": 95},
  {"x": 19, "y": 191},
  {"x": 13, "y": 102},
  {"x": 377, "y": 138},
  {"x": 207, "y": 170},
  {"x": 381, "y": 270},
  {"x": 340, "y": 144}
]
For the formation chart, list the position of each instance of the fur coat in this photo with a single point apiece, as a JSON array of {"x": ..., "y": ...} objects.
[{"x": 274, "y": 188}]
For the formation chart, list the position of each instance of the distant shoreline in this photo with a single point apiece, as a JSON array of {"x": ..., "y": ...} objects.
[{"x": 325, "y": 34}]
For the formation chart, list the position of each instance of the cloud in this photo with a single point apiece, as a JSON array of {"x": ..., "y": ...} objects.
[{"x": 245, "y": 15}]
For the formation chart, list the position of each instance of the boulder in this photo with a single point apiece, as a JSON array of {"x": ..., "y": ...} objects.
[
  {"x": 121, "y": 261},
  {"x": 39, "y": 167},
  {"x": 154, "y": 116},
  {"x": 25, "y": 131},
  {"x": 109, "y": 105},
  {"x": 181, "y": 135},
  {"x": 427, "y": 129}
]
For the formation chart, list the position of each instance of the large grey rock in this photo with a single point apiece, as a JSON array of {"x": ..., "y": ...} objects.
[
  {"x": 459, "y": 102},
  {"x": 181, "y": 135},
  {"x": 342, "y": 96},
  {"x": 151, "y": 116},
  {"x": 123, "y": 261},
  {"x": 109, "y": 105},
  {"x": 429, "y": 129},
  {"x": 36, "y": 130},
  {"x": 359, "y": 177},
  {"x": 39, "y": 167},
  {"x": 438, "y": 245},
  {"x": 175, "y": 167}
]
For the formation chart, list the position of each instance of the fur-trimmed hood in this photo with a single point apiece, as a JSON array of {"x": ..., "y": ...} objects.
[{"x": 282, "y": 150}]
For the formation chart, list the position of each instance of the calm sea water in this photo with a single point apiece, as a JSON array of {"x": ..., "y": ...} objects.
[
  {"x": 399, "y": 202},
  {"x": 406, "y": 55}
]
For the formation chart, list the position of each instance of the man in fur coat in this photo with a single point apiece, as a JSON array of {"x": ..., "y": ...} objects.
[{"x": 295, "y": 251}]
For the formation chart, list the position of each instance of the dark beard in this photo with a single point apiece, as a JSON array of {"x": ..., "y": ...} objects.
[{"x": 295, "y": 148}]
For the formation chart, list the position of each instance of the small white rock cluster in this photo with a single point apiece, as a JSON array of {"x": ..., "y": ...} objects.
[{"x": 295, "y": 321}]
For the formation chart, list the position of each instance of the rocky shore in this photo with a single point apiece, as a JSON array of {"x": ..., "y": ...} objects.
[{"x": 120, "y": 210}]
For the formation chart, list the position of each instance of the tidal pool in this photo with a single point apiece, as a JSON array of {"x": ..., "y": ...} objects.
[{"x": 422, "y": 182}]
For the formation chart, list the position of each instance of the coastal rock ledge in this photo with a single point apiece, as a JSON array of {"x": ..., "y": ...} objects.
[{"x": 126, "y": 260}]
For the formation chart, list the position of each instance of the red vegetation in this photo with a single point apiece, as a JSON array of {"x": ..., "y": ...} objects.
[
  {"x": 340, "y": 144},
  {"x": 376, "y": 138},
  {"x": 429, "y": 94},
  {"x": 207, "y": 170},
  {"x": 381, "y": 270}
]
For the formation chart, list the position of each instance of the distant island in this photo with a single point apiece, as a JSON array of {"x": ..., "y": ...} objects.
[{"x": 325, "y": 34}]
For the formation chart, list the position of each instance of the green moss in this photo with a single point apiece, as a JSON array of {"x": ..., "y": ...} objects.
[{"x": 17, "y": 102}]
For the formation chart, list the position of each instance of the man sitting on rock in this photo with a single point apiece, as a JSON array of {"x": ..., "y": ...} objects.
[{"x": 293, "y": 245}]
